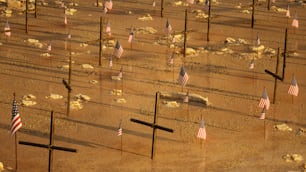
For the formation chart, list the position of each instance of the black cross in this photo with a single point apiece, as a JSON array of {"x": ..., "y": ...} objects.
[
  {"x": 277, "y": 77},
  {"x": 153, "y": 125},
  {"x": 50, "y": 146}
]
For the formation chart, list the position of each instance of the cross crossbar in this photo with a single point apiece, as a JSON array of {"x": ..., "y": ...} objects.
[
  {"x": 274, "y": 75},
  {"x": 152, "y": 125}
]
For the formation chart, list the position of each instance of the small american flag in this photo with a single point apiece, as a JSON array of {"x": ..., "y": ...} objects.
[
  {"x": 118, "y": 50},
  {"x": 288, "y": 12},
  {"x": 49, "y": 47},
  {"x": 110, "y": 62},
  {"x": 293, "y": 88},
  {"x": 109, "y": 4},
  {"x": 108, "y": 29},
  {"x": 168, "y": 28},
  {"x": 120, "y": 129},
  {"x": 171, "y": 59},
  {"x": 104, "y": 9},
  {"x": 295, "y": 22},
  {"x": 154, "y": 3},
  {"x": 16, "y": 120},
  {"x": 202, "y": 131},
  {"x": 183, "y": 77},
  {"x": 263, "y": 113},
  {"x": 264, "y": 100},
  {"x": 206, "y": 7},
  {"x": 7, "y": 29},
  {"x": 131, "y": 36},
  {"x": 257, "y": 40}
]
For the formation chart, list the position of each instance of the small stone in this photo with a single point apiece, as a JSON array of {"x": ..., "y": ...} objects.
[
  {"x": 283, "y": 127},
  {"x": 120, "y": 100}
]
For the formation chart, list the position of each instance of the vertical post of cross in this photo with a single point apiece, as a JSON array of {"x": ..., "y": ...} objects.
[
  {"x": 26, "y": 19},
  {"x": 253, "y": 11},
  {"x": 51, "y": 143},
  {"x": 185, "y": 33},
  {"x": 101, "y": 41},
  {"x": 285, "y": 54},
  {"x": 208, "y": 22},
  {"x": 161, "y": 8},
  {"x": 275, "y": 79},
  {"x": 154, "y": 122}
]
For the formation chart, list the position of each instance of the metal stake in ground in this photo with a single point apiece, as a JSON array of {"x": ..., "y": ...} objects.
[
  {"x": 153, "y": 125},
  {"x": 101, "y": 41},
  {"x": 185, "y": 33},
  {"x": 50, "y": 146}
]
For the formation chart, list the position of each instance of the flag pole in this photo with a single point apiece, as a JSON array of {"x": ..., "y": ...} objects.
[{"x": 16, "y": 159}]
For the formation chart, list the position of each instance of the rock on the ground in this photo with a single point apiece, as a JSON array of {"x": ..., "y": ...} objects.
[{"x": 283, "y": 127}]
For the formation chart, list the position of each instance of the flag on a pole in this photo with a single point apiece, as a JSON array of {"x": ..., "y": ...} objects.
[
  {"x": 257, "y": 40},
  {"x": 183, "y": 77},
  {"x": 108, "y": 29},
  {"x": 120, "y": 129},
  {"x": 110, "y": 62},
  {"x": 104, "y": 9},
  {"x": 293, "y": 88},
  {"x": 202, "y": 131},
  {"x": 131, "y": 36},
  {"x": 7, "y": 29},
  {"x": 154, "y": 3},
  {"x": 264, "y": 100},
  {"x": 168, "y": 28},
  {"x": 190, "y": 1},
  {"x": 206, "y": 7},
  {"x": 16, "y": 119},
  {"x": 118, "y": 50},
  {"x": 171, "y": 59},
  {"x": 288, "y": 12},
  {"x": 295, "y": 22},
  {"x": 109, "y": 4},
  {"x": 49, "y": 46}
]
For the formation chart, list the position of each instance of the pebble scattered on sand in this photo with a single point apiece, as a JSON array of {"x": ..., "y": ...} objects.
[
  {"x": 145, "y": 30},
  {"x": 1, "y": 166},
  {"x": 70, "y": 11},
  {"x": 93, "y": 81},
  {"x": 120, "y": 100},
  {"x": 35, "y": 42},
  {"x": 147, "y": 17},
  {"x": 45, "y": 54},
  {"x": 81, "y": 97},
  {"x": 76, "y": 105},
  {"x": 54, "y": 96},
  {"x": 27, "y": 100},
  {"x": 116, "y": 92},
  {"x": 293, "y": 158},
  {"x": 87, "y": 66},
  {"x": 283, "y": 127},
  {"x": 171, "y": 104}
]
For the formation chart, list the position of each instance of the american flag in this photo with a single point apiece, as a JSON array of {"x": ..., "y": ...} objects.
[
  {"x": 118, "y": 50},
  {"x": 293, "y": 88},
  {"x": 183, "y": 77},
  {"x": 110, "y": 61},
  {"x": 65, "y": 19},
  {"x": 168, "y": 28},
  {"x": 16, "y": 120},
  {"x": 264, "y": 100},
  {"x": 288, "y": 12},
  {"x": 190, "y": 1},
  {"x": 206, "y": 7},
  {"x": 257, "y": 40},
  {"x": 202, "y": 131},
  {"x": 7, "y": 29},
  {"x": 104, "y": 9},
  {"x": 120, "y": 129},
  {"x": 49, "y": 47},
  {"x": 154, "y": 3},
  {"x": 109, "y": 4},
  {"x": 295, "y": 22},
  {"x": 263, "y": 113},
  {"x": 108, "y": 29},
  {"x": 171, "y": 59},
  {"x": 131, "y": 36}
]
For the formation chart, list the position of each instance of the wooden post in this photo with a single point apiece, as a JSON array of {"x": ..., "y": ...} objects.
[
  {"x": 101, "y": 41},
  {"x": 275, "y": 79},
  {"x": 161, "y": 8},
  {"x": 35, "y": 9},
  {"x": 26, "y": 20},
  {"x": 253, "y": 11},
  {"x": 185, "y": 33},
  {"x": 285, "y": 54},
  {"x": 51, "y": 143},
  {"x": 208, "y": 22},
  {"x": 154, "y": 122},
  {"x": 269, "y": 5}
]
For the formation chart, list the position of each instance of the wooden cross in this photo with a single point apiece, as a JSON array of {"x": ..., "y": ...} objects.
[
  {"x": 68, "y": 85},
  {"x": 281, "y": 78},
  {"x": 50, "y": 146},
  {"x": 153, "y": 125}
]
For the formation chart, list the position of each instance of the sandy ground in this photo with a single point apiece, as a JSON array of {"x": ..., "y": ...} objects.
[{"x": 237, "y": 140}]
